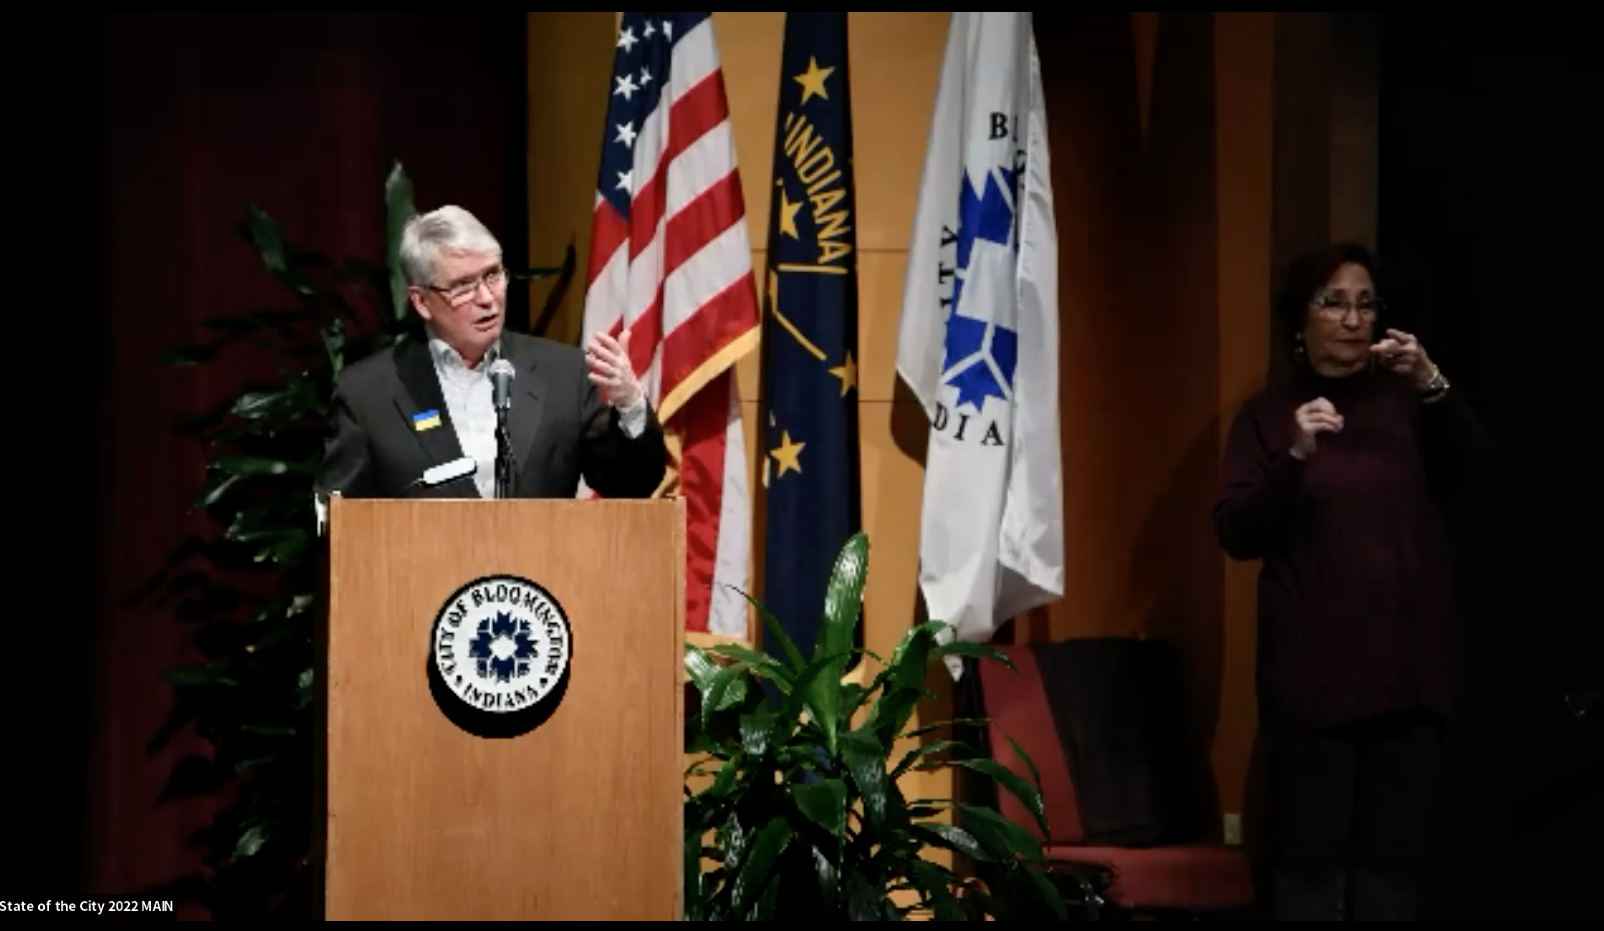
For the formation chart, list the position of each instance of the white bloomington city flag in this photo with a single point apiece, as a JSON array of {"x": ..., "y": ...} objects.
[{"x": 978, "y": 338}]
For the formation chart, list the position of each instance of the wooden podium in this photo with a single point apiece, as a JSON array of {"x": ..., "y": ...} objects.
[{"x": 432, "y": 636}]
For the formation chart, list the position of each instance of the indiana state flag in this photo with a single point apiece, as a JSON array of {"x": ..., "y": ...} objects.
[
  {"x": 978, "y": 337},
  {"x": 810, "y": 330}
]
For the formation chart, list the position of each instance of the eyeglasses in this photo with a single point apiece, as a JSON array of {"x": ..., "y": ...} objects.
[
  {"x": 1336, "y": 307},
  {"x": 463, "y": 292}
]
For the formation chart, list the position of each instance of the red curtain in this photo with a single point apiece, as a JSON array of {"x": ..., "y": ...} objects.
[{"x": 200, "y": 115}]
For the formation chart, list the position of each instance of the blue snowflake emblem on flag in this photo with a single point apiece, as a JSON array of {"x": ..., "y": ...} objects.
[
  {"x": 503, "y": 648},
  {"x": 981, "y": 354}
]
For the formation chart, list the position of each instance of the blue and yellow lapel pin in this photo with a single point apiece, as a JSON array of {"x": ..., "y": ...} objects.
[{"x": 426, "y": 420}]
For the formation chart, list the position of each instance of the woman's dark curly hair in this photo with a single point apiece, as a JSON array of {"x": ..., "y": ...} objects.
[{"x": 1309, "y": 273}]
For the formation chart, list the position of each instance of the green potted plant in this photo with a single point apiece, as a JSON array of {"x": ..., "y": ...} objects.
[
  {"x": 804, "y": 818},
  {"x": 252, "y": 589}
]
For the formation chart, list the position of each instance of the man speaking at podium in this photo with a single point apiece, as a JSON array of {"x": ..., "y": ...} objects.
[{"x": 473, "y": 411}]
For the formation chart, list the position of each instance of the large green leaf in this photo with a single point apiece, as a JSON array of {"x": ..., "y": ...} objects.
[
  {"x": 398, "y": 209},
  {"x": 759, "y": 860},
  {"x": 843, "y": 603},
  {"x": 773, "y": 628},
  {"x": 1017, "y": 787},
  {"x": 825, "y": 804},
  {"x": 265, "y": 234},
  {"x": 249, "y": 466}
]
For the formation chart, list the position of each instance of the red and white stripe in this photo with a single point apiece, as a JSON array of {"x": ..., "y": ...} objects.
[{"x": 678, "y": 273}]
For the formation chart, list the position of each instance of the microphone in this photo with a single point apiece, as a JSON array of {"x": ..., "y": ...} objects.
[
  {"x": 501, "y": 376},
  {"x": 446, "y": 472}
]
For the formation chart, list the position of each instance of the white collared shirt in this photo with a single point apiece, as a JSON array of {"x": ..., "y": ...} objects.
[{"x": 470, "y": 403}]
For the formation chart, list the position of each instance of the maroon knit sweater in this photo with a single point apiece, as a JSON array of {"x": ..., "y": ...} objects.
[{"x": 1355, "y": 591}]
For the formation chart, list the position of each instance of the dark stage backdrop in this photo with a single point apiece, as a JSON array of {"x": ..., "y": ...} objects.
[
  {"x": 1488, "y": 206},
  {"x": 149, "y": 145}
]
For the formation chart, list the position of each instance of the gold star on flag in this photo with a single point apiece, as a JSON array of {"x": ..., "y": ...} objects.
[
  {"x": 848, "y": 373},
  {"x": 788, "y": 212},
  {"x": 788, "y": 454},
  {"x": 812, "y": 80}
]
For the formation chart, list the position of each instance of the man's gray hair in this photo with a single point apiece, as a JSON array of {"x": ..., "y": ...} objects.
[{"x": 450, "y": 228}]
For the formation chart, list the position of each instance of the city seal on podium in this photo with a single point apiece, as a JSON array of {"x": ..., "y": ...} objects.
[{"x": 500, "y": 647}]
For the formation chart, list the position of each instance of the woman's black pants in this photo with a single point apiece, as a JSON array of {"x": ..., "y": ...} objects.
[{"x": 1348, "y": 819}]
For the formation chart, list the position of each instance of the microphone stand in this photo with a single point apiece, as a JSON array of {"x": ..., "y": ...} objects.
[{"x": 504, "y": 471}]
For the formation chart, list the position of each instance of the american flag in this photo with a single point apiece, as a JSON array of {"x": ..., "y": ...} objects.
[{"x": 670, "y": 258}]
